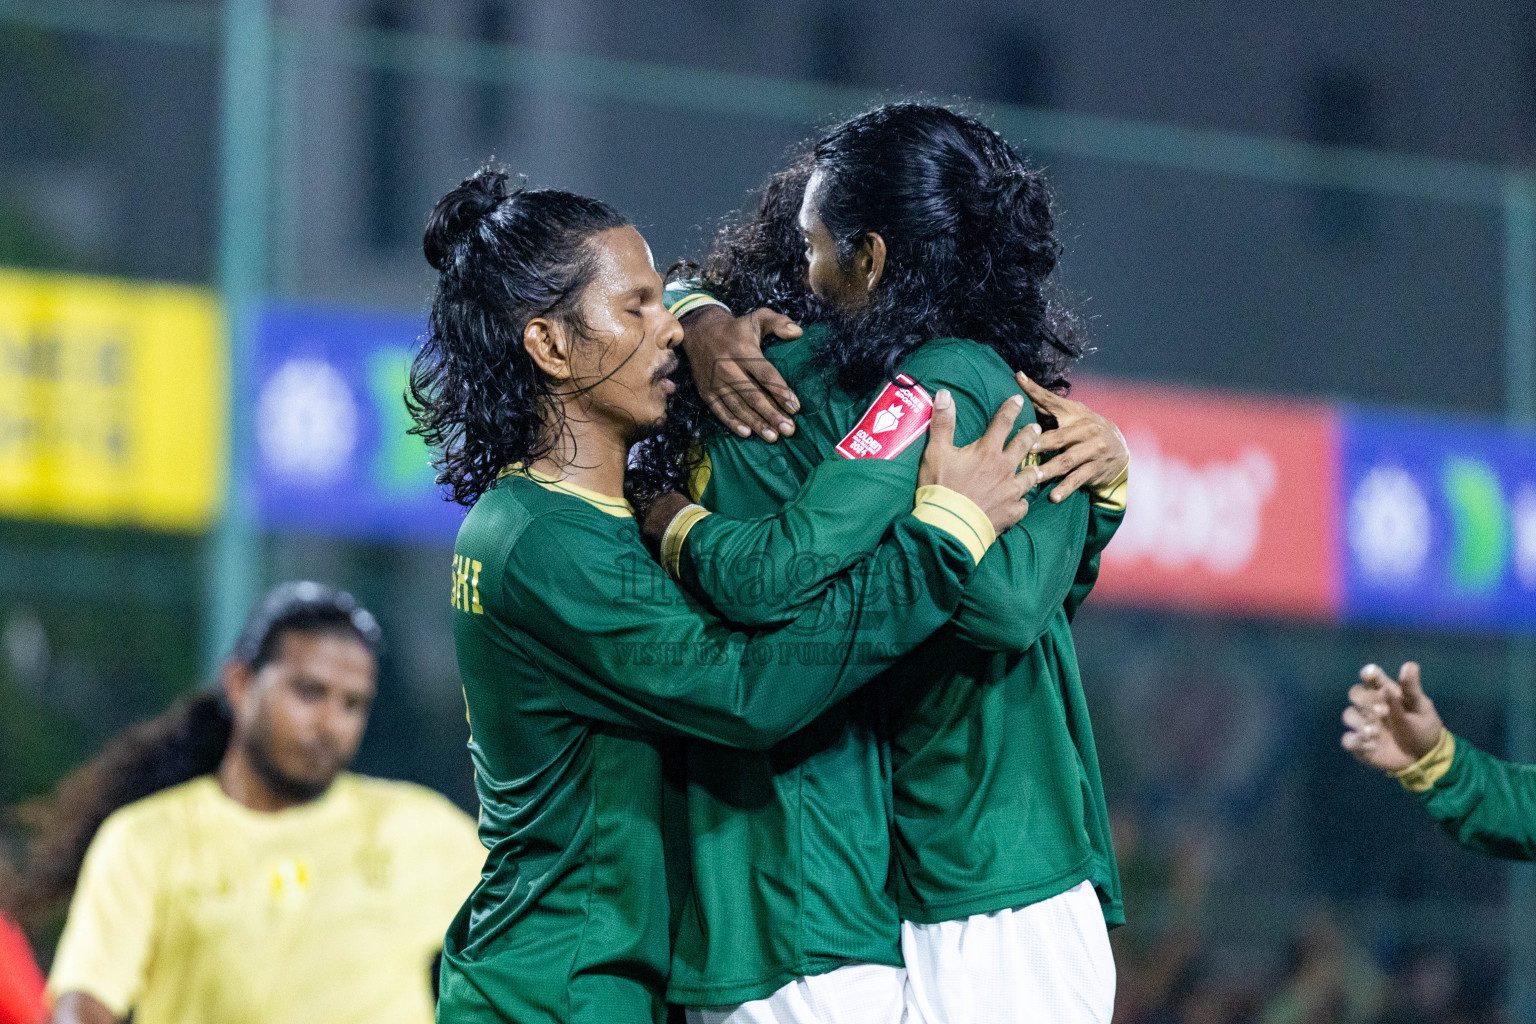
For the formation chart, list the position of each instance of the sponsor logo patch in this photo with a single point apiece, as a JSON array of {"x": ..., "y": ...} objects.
[{"x": 894, "y": 420}]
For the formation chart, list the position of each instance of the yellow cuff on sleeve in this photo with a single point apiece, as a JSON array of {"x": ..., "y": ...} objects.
[
  {"x": 956, "y": 515},
  {"x": 676, "y": 533},
  {"x": 692, "y": 301},
  {"x": 1421, "y": 776},
  {"x": 1112, "y": 495}
]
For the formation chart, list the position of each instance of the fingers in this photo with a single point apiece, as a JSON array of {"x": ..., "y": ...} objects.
[
  {"x": 1413, "y": 693},
  {"x": 941, "y": 428},
  {"x": 1002, "y": 424},
  {"x": 777, "y": 398},
  {"x": 1065, "y": 436},
  {"x": 1019, "y": 448},
  {"x": 1368, "y": 726},
  {"x": 770, "y": 419},
  {"x": 1039, "y": 397},
  {"x": 743, "y": 418},
  {"x": 1076, "y": 479},
  {"x": 777, "y": 324},
  {"x": 725, "y": 415},
  {"x": 1372, "y": 676},
  {"x": 1368, "y": 699}
]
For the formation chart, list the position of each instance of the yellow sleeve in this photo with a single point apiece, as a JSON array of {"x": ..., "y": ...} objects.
[{"x": 107, "y": 940}]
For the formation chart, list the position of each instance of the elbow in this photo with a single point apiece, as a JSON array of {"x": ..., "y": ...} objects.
[{"x": 1013, "y": 636}]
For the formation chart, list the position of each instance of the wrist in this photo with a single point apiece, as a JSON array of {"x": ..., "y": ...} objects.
[
  {"x": 700, "y": 308},
  {"x": 1421, "y": 776},
  {"x": 1113, "y": 493}
]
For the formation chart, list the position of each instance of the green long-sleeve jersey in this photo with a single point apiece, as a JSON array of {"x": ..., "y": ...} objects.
[
  {"x": 1486, "y": 804},
  {"x": 581, "y": 662},
  {"x": 792, "y": 861}
]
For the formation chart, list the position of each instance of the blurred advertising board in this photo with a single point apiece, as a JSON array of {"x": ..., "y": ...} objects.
[
  {"x": 112, "y": 401},
  {"x": 333, "y": 455},
  {"x": 1439, "y": 521},
  {"x": 1231, "y": 505}
]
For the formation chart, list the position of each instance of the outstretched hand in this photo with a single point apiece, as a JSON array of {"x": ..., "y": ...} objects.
[
  {"x": 1090, "y": 451},
  {"x": 740, "y": 386},
  {"x": 1391, "y": 723}
]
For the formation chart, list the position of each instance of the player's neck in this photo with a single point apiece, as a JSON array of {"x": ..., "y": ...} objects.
[
  {"x": 590, "y": 454},
  {"x": 242, "y": 783}
]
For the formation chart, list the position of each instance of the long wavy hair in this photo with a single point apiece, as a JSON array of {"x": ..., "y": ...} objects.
[
  {"x": 504, "y": 256},
  {"x": 970, "y": 239},
  {"x": 971, "y": 251},
  {"x": 186, "y": 741}
]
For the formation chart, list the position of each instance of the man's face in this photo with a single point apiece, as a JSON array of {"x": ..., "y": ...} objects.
[
  {"x": 621, "y": 369},
  {"x": 837, "y": 286},
  {"x": 300, "y": 719}
]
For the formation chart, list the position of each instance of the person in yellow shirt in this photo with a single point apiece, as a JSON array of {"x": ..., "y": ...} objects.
[{"x": 265, "y": 883}]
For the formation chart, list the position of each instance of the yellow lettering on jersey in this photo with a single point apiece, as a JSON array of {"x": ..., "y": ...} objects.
[{"x": 466, "y": 585}]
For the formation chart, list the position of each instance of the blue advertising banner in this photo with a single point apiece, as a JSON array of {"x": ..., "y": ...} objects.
[
  {"x": 332, "y": 453},
  {"x": 1438, "y": 521}
]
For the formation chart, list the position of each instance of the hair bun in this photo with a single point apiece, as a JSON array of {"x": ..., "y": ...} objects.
[{"x": 458, "y": 212}]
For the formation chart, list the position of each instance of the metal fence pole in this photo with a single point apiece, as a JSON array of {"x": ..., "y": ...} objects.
[
  {"x": 1520, "y": 407},
  {"x": 234, "y": 573}
]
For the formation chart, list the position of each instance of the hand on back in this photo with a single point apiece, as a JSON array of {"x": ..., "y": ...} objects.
[
  {"x": 1090, "y": 450},
  {"x": 987, "y": 470},
  {"x": 740, "y": 386}
]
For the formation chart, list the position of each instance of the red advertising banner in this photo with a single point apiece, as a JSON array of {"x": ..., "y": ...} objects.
[{"x": 1231, "y": 502}]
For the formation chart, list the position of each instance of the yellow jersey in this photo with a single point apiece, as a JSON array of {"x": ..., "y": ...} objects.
[{"x": 192, "y": 908}]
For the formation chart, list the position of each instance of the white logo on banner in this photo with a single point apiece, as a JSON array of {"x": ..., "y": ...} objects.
[
  {"x": 306, "y": 421},
  {"x": 1389, "y": 525},
  {"x": 1525, "y": 536},
  {"x": 1181, "y": 515}
]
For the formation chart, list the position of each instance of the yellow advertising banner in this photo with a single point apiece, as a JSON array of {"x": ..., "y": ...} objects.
[{"x": 112, "y": 401}]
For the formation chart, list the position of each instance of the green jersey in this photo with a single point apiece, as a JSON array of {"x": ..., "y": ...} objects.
[
  {"x": 986, "y": 717},
  {"x": 579, "y": 662},
  {"x": 1488, "y": 805}
]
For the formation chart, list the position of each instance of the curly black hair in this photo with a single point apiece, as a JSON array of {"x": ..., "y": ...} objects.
[
  {"x": 504, "y": 256},
  {"x": 971, "y": 250},
  {"x": 970, "y": 244}
]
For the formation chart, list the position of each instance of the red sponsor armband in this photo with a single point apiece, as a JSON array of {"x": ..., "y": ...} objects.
[{"x": 896, "y": 418}]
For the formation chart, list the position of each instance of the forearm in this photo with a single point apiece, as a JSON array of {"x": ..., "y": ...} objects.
[
  {"x": 1486, "y": 804},
  {"x": 867, "y": 620},
  {"x": 1104, "y": 518},
  {"x": 1021, "y": 585},
  {"x": 678, "y": 669},
  {"x": 765, "y": 571}
]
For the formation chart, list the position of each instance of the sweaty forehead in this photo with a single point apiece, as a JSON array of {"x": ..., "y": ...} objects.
[{"x": 624, "y": 260}]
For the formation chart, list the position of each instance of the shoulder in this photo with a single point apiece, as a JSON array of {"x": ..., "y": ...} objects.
[
  {"x": 414, "y": 816},
  {"x": 404, "y": 799},
  {"x": 958, "y": 361},
  {"x": 152, "y": 825},
  {"x": 168, "y": 807},
  {"x": 503, "y": 510}
]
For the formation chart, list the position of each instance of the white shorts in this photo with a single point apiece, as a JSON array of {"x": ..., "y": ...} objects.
[
  {"x": 1048, "y": 962},
  {"x": 852, "y": 994}
]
